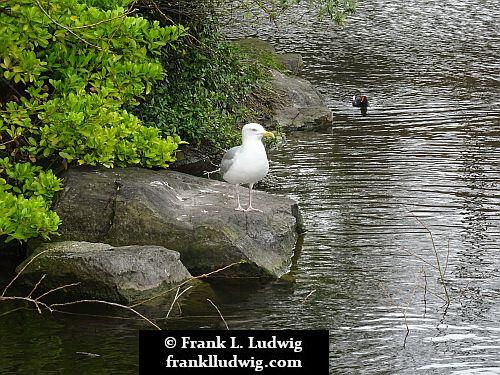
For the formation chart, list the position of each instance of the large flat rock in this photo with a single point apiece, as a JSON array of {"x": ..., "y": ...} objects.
[
  {"x": 119, "y": 274},
  {"x": 194, "y": 216},
  {"x": 300, "y": 106}
]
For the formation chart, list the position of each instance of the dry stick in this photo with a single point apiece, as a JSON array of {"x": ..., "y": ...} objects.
[
  {"x": 36, "y": 285},
  {"x": 438, "y": 262},
  {"x": 160, "y": 11},
  {"x": 216, "y": 308},
  {"x": 56, "y": 289},
  {"x": 13, "y": 310},
  {"x": 437, "y": 295},
  {"x": 421, "y": 258},
  {"x": 187, "y": 281},
  {"x": 176, "y": 297},
  {"x": 425, "y": 291},
  {"x": 31, "y": 300},
  {"x": 52, "y": 307},
  {"x": 308, "y": 295},
  {"x": 405, "y": 317},
  {"x": 22, "y": 270},
  {"x": 386, "y": 292},
  {"x": 447, "y": 257},
  {"x": 105, "y": 303},
  {"x": 430, "y": 265},
  {"x": 35, "y": 301}
]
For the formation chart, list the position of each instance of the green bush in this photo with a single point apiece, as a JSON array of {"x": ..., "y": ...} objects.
[
  {"x": 25, "y": 197},
  {"x": 70, "y": 70},
  {"x": 206, "y": 93}
]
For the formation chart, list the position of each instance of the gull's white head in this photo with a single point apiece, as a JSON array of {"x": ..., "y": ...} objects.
[{"x": 254, "y": 131}]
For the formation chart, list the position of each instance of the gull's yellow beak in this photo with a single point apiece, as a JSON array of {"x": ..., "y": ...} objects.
[{"x": 268, "y": 134}]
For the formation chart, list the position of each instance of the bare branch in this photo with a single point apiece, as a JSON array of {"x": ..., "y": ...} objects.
[
  {"x": 438, "y": 262},
  {"x": 105, "y": 303},
  {"x": 67, "y": 28},
  {"x": 36, "y": 285},
  {"x": 216, "y": 308},
  {"x": 21, "y": 271},
  {"x": 187, "y": 281},
  {"x": 176, "y": 298},
  {"x": 308, "y": 295},
  {"x": 56, "y": 289},
  {"x": 27, "y": 299},
  {"x": 130, "y": 11}
]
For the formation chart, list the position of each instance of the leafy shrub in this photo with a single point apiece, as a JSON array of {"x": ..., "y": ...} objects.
[
  {"x": 68, "y": 71},
  {"x": 206, "y": 92},
  {"x": 25, "y": 198}
]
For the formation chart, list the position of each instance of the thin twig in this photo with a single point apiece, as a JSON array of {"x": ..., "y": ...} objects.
[
  {"x": 308, "y": 295},
  {"x": 216, "y": 308},
  {"x": 129, "y": 11},
  {"x": 176, "y": 297},
  {"x": 438, "y": 262},
  {"x": 22, "y": 270},
  {"x": 168, "y": 19},
  {"x": 7, "y": 142},
  {"x": 187, "y": 281},
  {"x": 421, "y": 259},
  {"x": 425, "y": 290},
  {"x": 36, "y": 285},
  {"x": 105, "y": 303},
  {"x": 410, "y": 300},
  {"x": 67, "y": 28},
  {"x": 447, "y": 257},
  {"x": 56, "y": 289},
  {"x": 30, "y": 300}
]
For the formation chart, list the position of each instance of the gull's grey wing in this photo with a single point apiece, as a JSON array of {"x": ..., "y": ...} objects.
[{"x": 227, "y": 160}]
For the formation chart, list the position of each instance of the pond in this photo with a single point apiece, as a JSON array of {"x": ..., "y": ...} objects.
[{"x": 401, "y": 261}]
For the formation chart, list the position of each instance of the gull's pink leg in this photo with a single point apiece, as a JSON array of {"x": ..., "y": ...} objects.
[
  {"x": 250, "y": 208},
  {"x": 239, "y": 208}
]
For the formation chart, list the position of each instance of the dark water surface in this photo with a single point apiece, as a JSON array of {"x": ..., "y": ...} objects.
[{"x": 425, "y": 160}]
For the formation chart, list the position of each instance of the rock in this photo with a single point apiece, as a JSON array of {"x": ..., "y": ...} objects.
[
  {"x": 292, "y": 61},
  {"x": 301, "y": 106},
  {"x": 119, "y": 274},
  {"x": 193, "y": 161},
  {"x": 194, "y": 216},
  {"x": 297, "y": 105}
]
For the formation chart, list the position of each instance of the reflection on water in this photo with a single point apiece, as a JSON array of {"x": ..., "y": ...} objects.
[{"x": 425, "y": 158}]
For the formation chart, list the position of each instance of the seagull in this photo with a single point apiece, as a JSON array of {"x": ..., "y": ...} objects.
[{"x": 246, "y": 164}]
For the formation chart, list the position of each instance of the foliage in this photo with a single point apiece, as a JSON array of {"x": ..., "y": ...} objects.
[
  {"x": 212, "y": 85},
  {"x": 68, "y": 71},
  {"x": 25, "y": 198},
  {"x": 337, "y": 10},
  {"x": 207, "y": 91}
]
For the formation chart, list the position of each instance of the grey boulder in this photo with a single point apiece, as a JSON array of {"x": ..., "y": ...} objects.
[
  {"x": 119, "y": 274},
  {"x": 194, "y": 216},
  {"x": 300, "y": 106}
]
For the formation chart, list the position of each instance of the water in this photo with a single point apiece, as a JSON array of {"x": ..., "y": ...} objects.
[{"x": 381, "y": 194}]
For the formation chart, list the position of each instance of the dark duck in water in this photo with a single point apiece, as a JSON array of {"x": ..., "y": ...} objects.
[{"x": 360, "y": 101}]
